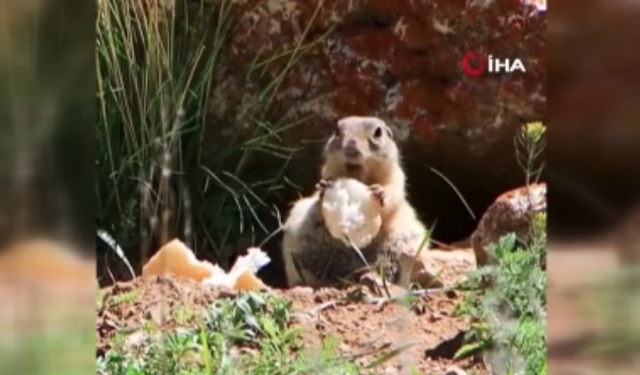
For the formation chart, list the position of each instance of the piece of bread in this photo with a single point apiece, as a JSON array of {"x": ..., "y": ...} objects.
[{"x": 351, "y": 212}]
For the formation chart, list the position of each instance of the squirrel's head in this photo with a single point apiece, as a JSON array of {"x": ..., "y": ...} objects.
[{"x": 359, "y": 141}]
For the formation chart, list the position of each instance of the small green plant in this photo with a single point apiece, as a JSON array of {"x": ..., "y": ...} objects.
[
  {"x": 184, "y": 315},
  {"x": 124, "y": 298},
  {"x": 250, "y": 334},
  {"x": 506, "y": 300},
  {"x": 530, "y": 145},
  {"x": 509, "y": 319}
]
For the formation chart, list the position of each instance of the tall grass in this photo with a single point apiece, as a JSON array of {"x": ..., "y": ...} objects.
[{"x": 156, "y": 66}]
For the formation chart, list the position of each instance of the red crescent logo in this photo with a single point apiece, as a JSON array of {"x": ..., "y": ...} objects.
[{"x": 471, "y": 71}]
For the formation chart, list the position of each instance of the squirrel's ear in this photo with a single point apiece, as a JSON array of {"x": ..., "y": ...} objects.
[{"x": 389, "y": 131}]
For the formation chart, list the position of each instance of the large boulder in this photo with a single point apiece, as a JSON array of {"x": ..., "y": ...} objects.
[{"x": 401, "y": 61}]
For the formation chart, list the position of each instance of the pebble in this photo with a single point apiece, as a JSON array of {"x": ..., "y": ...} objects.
[{"x": 455, "y": 371}]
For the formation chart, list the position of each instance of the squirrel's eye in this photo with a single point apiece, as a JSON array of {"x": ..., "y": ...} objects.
[{"x": 377, "y": 133}]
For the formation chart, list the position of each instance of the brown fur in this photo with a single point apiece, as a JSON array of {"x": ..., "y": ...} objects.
[{"x": 362, "y": 148}]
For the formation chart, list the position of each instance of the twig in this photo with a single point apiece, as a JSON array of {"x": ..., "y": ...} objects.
[
  {"x": 412, "y": 293},
  {"x": 305, "y": 315},
  {"x": 322, "y": 307}
]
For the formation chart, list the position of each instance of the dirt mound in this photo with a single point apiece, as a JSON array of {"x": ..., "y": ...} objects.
[
  {"x": 129, "y": 305},
  {"x": 365, "y": 331}
]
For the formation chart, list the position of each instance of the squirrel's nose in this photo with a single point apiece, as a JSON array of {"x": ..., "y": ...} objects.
[{"x": 351, "y": 149}]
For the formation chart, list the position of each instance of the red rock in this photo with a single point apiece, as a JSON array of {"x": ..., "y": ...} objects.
[
  {"x": 399, "y": 61},
  {"x": 511, "y": 212}
]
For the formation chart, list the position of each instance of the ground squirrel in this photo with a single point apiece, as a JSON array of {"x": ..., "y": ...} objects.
[{"x": 361, "y": 148}]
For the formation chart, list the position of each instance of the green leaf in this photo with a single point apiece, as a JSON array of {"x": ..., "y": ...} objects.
[{"x": 469, "y": 349}]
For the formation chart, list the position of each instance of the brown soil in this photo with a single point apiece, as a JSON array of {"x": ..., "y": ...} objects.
[{"x": 365, "y": 331}]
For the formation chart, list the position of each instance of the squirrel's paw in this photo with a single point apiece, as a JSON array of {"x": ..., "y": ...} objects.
[
  {"x": 322, "y": 185},
  {"x": 378, "y": 193}
]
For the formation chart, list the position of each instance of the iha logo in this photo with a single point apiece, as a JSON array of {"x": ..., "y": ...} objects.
[{"x": 475, "y": 64}]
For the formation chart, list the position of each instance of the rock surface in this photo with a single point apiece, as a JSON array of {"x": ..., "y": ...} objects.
[
  {"x": 455, "y": 371},
  {"x": 400, "y": 61},
  {"x": 511, "y": 212}
]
